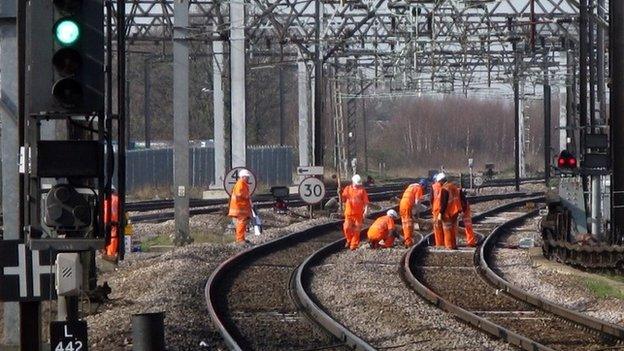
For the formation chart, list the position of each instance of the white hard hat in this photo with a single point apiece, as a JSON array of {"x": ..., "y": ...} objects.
[
  {"x": 440, "y": 177},
  {"x": 393, "y": 214},
  {"x": 244, "y": 173},
  {"x": 356, "y": 179}
]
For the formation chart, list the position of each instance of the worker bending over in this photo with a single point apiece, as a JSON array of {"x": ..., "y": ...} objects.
[
  {"x": 438, "y": 232},
  {"x": 471, "y": 240},
  {"x": 450, "y": 208},
  {"x": 355, "y": 198},
  {"x": 240, "y": 205},
  {"x": 383, "y": 229},
  {"x": 412, "y": 196}
]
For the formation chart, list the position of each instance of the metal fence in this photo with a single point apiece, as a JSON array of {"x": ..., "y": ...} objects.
[{"x": 272, "y": 165}]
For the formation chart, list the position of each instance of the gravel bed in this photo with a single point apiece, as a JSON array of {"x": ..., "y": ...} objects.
[
  {"x": 363, "y": 289},
  {"x": 172, "y": 282},
  {"x": 569, "y": 290},
  {"x": 464, "y": 287}
]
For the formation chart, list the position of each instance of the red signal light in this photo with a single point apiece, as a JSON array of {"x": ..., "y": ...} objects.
[{"x": 566, "y": 160}]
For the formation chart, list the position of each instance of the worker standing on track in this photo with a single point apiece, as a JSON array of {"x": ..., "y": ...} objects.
[
  {"x": 471, "y": 240},
  {"x": 240, "y": 205},
  {"x": 356, "y": 201},
  {"x": 412, "y": 196},
  {"x": 450, "y": 208},
  {"x": 383, "y": 229},
  {"x": 436, "y": 193}
]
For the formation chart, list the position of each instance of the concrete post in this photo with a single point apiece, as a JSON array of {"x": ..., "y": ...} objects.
[
  {"x": 10, "y": 148},
  {"x": 237, "y": 86},
  {"x": 218, "y": 110},
  {"x": 303, "y": 91},
  {"x": 181, "y": 121}
]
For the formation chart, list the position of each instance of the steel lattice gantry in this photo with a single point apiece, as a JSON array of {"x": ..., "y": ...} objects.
[{"x": 461, "y": 43}]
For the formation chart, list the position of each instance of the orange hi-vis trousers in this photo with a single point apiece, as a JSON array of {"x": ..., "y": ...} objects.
[
  {"x": 471, "y": 240},
  {"x": 438, "y": 232},
  {"x": 388, "y": 242},
  {"x": 351, "y": 228},
  {"x": 407, "y": 223},
  {"x": 241, "y": 228},
  {"x": 449, "y": 226}
]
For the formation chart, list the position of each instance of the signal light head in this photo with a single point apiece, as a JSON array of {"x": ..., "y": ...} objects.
[
  {"x": 67, "y": 61},
  {"x": 566, "y": 160},
  {"x": 68, "y": 92},
  {"x": 67, "y": 31}
]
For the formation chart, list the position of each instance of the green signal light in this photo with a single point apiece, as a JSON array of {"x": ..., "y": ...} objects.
[{"x": 67, "y": 32}]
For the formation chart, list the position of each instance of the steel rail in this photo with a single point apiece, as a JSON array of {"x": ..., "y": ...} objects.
[
  {"x": 484, "y": 253},
  {"x": 465, "y": 315},
  {"x": 321, "y": 316},
  {"x": 212, "y": 291},
  {"x": 481, "y": 262}
]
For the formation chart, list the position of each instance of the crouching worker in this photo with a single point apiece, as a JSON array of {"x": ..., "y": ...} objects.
[{"x": 383, "y": 229}]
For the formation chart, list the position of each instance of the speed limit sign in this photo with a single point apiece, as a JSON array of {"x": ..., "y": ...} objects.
[
  {"x": 232, "y": 177},
  {"x": 312, "y": 190}
]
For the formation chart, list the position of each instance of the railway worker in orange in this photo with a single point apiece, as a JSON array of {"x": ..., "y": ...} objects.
[
  {"x": 412, "y": 196},
  {"x": 240, "y": 205},
  {"x": 111, "y": 218},
  {"x": 383, "y": 229},
  {"x": 450, "y": 208},
  {"x": 471, "y": 240},
  {"x": 356, "y": 201},
  {"x": 436, "y": 192}
]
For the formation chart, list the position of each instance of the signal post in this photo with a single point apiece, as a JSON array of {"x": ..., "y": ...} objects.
[{"x": 64, "y": 176}]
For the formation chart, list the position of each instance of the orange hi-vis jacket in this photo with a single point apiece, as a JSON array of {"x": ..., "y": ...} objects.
[
  {"x": 356, "y": 198},
  {"x": 436, "y": 194},
  {"x": 381, "y": 228},
  {"x": 410, "y": 195},
  {"x": 240, "y": 203},
  {"x": 111, "y": 217},
  {"x": 454, "y": 205}
]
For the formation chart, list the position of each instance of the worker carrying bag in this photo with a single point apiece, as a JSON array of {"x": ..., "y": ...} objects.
[{"x": 256, "y": 222}]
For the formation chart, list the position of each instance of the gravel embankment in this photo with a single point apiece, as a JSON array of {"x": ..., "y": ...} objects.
[
  {"x": 172, "y": 282},
  {"x": 569, "y": 290}
]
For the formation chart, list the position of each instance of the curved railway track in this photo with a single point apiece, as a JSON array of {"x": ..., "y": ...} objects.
[
  {"x": 257, "y": 301},
  {"x": 462, "y": 283}
]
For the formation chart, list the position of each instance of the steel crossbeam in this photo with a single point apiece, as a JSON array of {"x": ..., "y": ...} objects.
[{"x": 440, "y": 40}]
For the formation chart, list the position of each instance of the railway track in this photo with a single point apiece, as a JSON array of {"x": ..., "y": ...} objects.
[
  {"x": 378, "y": 193},
  {"x": 462, "y": 283},
  {"x": 257, "y": 300},
  {"x": 199, "y": 207}
]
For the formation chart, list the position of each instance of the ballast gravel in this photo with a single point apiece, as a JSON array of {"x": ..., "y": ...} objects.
[
  {"x": 571, "y": 291},
  {"x": 363, "y": 289},
  {"x": 172, "y": 282}
]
